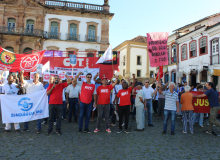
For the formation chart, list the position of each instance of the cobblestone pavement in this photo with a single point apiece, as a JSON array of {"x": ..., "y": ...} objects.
[{"x": 149, "y": 144}]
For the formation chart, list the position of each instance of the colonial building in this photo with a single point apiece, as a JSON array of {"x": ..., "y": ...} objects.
[
  {"x": 27, "y": 25},
  {"x": 194, "y": 52},
  {"x": 21, "y": 25},
  {"x": 134, "y": 59},
  {"x": 72, "y": 26}
]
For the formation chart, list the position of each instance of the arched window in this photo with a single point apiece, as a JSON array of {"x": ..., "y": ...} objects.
[
  {"x": 27, "y": 50},
  {"x": 91, "y": 36},
  {"x": 11, "y": 49},
  {"x": 30, "y": 25},
  {"x": 54, "y": 30},
  {"x": 73, "y": 32}
]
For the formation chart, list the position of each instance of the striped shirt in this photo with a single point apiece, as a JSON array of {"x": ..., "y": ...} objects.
[{"x": 170, "y": 100}]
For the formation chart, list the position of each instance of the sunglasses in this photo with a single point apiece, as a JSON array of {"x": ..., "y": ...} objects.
[
  {"x": 88, "y": 77},
  {"x": 146, "y": 82}
]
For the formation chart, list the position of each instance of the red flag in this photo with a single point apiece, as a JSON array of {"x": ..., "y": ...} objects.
[
  {"x": 161, "y": 73},
  {"x": 17, "y": 62}
]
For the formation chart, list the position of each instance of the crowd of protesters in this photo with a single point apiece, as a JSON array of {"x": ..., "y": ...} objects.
[{"x": 76, "y": 99}]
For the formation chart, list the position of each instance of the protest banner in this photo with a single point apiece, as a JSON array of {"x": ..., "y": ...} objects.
[
  {"x": 61, "y": 75},
  {"x": 157, "y": 48},
  {"x": 32, "y": 75},
  {"x": 46, "y": 76},
  {"x": 24, "y": 108},
  {"x": 201, "y": 105},
  {"x": 17, "y": 62}
]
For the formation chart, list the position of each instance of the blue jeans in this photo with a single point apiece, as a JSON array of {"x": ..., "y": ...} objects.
[
  {"x": 198, "y": 116},
  {"x": 38, "y": 124},
  {"x": 149, "y": 110},
  {"x": 84, "y": 108},
  {"x": 64, "y": 109},
  {"x": 73, "y": 105},
  {"x": 168, "y": 113}
]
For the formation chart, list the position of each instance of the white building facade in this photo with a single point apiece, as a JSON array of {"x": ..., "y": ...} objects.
[
  {"x": 134, "y": 59},
  {"x": 194, "y": 52},
  {"x": 77, "y": 27}
]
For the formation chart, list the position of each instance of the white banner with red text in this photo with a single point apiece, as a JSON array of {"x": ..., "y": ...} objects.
[{"x": 24, "y": 108}]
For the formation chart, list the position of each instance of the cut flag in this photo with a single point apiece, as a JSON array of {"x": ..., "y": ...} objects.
[
  {"x": 106, "y": 56},
  {"x": 161, "y": 73}
]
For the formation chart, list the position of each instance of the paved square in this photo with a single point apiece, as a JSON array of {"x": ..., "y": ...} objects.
[{"x": 149, "y": 144}]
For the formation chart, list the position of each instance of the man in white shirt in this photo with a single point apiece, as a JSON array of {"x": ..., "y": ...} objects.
[
  {"x": 72, "y": 98},
  {"x": 10, "y": 89},
  {"x": 148, "y": 91},
  {"x": 32, "y": 86}
]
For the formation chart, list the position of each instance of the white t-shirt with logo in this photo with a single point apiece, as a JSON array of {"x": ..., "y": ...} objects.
[{"x": 9, "y": 89}]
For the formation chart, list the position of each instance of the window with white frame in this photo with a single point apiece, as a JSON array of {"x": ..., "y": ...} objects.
[
  {"x": 214, "y": 47},
  {"x": 173, "y": 54},
  {"x": 91, "y": 36},
  {"x": 183, "y": 52},
  {"x": 203, "y": 45},
  {"x": 11, "y": 23},
  {"x": 193, "y": 49},
  {"x": 30, "y": 25}
]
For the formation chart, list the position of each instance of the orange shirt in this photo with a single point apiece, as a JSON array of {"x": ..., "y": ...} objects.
[{"x": 186, "y": 101}]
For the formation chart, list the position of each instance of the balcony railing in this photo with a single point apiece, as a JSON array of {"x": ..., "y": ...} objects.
[
  {"x": 22, "y": 31},
  {"x": 91, "y": 38},
  {"x": 214, "y": 59},
  {"x": 52, "y": 35},
  {"x": 73, "y": 37},
  {"x": 73, "y": 5}
]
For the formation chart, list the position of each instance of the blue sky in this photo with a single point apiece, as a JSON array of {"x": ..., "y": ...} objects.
[{"x": 138, "y": 17}]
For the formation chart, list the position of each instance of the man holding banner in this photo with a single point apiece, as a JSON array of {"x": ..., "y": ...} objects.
[
  {"x": 213, "y": 97},
  {"x": 31, "y": 87},
  {"x": 10, "y": 89}
]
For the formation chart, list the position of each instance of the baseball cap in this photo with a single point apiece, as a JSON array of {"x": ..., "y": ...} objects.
[
  {"x": 113, "y": 79},
  {"x": 104, "y": 78},
  {"x": 140, "y": 84},
  {"x": 98, "y": 79}
]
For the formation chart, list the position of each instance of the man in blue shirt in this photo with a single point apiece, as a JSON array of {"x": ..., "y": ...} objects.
[{"x": 213, "y": 97}]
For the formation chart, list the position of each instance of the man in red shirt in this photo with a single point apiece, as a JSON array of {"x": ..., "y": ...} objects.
[
  {"x": 103, "y": 93},
  {"x": 85, "y": 106},
  {"x": 124, "y": 106},
  {"x": 55, "y": 90}
]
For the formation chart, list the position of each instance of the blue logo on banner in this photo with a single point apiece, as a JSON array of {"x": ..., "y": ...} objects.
[
  {"x": 73, "y": 59},
  {"x": 26, "y": 106}
]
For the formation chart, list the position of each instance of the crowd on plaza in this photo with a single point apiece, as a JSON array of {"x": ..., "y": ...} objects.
[{"x": 114, "y": 100}]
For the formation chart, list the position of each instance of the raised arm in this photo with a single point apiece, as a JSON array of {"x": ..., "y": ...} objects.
[
  {"x": 199, "y": 96},
  {"x": 94, "y": 79},
  {"x": 22, "y": 76},
  {"x": 116, "y": 80},
  {"x": 132, "y": 86},
  {"x": 167, "y": 84},
  {"x": 75, "y": 79},
  {"x": 69, "y": 81}
]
